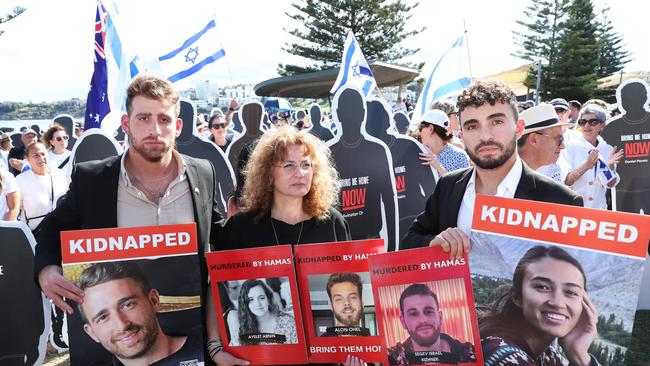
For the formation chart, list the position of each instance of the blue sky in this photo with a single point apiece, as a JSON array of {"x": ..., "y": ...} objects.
[{"x": 46, "y": 54}]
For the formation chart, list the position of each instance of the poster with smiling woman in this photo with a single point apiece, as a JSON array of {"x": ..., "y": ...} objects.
[
  {"x": 555, "y": 284},
  {"x": 254, "y": 292}
]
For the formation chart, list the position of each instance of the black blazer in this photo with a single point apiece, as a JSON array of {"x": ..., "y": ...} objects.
[
  {"x": 91, "y": 203},
  {"x": 441, "y": 211}
]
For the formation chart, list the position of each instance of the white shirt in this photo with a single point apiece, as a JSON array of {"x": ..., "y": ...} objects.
[
  {"x": 54, "y": 160},
  {"x": 174, "y": 207},
  {"x": 573, "y": 155},
  {"x": 4, "y": 160},
  {"x": 36, "y": 194},
  {"x": 552, "y": 171},
  {"x": 506, "y": 189},
  {"x": 9, "y": 185}
]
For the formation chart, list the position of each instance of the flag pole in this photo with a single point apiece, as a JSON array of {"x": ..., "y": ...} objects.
[
  {"x": 228, "y": 64},
  {"x": 469, "y": 60},
  {"x": 379, "y": 92}
]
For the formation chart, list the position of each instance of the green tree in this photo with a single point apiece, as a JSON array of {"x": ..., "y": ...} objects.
[
  {"x": 14, "y": 13},
  {"x": 574, "y": 71},
  {"x": 539, "y": 39},
  {"x": 378, "y": 25},
  {"x": 612, "y": 55}
]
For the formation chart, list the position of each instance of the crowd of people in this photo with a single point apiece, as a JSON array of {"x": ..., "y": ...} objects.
[{"x": 485, "y": 143}]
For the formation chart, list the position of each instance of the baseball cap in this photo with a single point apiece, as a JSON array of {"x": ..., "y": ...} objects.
[
  {"x": 436, "y": 117},
  {"x": 560, "y": 103},
  {"x": 27, "y": 131}
]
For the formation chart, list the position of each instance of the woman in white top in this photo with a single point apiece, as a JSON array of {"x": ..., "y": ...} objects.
[
  {"x": 41, "y": 186},
  {"x": 56, "y": 140},
  {"x": 9, "y": 196},
  {"x": 583, "y": 159}
]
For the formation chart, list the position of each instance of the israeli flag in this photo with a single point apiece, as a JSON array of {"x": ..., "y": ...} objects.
[
  {"x": 198, "y": 51},
  {"x": 447, "y": 78},
  {"x": 603, "y": 173},
  {"x": 354, "y": 68}
]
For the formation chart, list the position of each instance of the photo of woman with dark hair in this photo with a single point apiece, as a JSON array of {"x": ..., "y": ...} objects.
[
  {"x": 547, "y": 302},
  {"x": 260, "y": 319}
]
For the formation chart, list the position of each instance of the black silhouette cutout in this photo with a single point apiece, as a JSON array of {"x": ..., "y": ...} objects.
[
  {"x": 402, "y": 122},
  {"x": 317, "y": 129},
  {"x": 630, "y": 131},
  {"x": 251, "y": 115},
  {"x": 191, "y": 144},
  {"x": 365, "y": 169},
  {"x": 24, "y": 309},
  {"x": 236, "y": 123},
  {"x": 414, "y": 182},
  {"x": 93, "y": 144}
]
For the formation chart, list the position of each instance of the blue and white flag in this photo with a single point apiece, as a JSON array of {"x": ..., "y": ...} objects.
[
  {"x": 354, "y": 68},
  {"x": 602, "y": 172},
  {"x": 197, "y": 51},
  {"x": 448, "y": 77},
  {"x": 97, "y": 106}
]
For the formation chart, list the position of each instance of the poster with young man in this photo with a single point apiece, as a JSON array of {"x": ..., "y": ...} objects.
[
  {"x": 142, "y": 295},
  {"x": 425, "y": 308},
  {"x": 337, "y": 301},
  {"x": 254, "y": 290},
  {"x": 555, "y": 283}
]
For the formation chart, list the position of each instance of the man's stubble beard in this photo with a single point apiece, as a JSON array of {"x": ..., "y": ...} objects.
[
  {"x": 147, "y": 155},
  {"x": 425, "y": 342},
  {"x": 349, "y": 321},
  {"x": 493, "y": 163},
  {"x": 151, "y": 332}
]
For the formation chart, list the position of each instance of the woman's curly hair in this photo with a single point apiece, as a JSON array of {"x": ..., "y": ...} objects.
[{"x": 271, "y": 149}]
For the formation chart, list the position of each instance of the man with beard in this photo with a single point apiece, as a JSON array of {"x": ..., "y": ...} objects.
[
  {"x": 119, "y": 311},
  {"x": 421, "y": 317},
  {"x": 344, "y": 291},
  {"x": 490, "y": 127},
  {"x": 150, "y": 184}
]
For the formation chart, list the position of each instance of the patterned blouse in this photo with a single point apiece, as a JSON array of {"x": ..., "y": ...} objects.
[
  {"x": 453, "y": 158},
  {"x": 499, "y": 352}
]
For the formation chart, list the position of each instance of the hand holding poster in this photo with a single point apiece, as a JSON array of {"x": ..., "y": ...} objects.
[
  {"x": 142, "y": 295},
  {"x": 254, "y": 290},
  {"x": 425, "y": 308},
  {"x": 544, "y": 272},
  {"x": 337, "y": 300}
]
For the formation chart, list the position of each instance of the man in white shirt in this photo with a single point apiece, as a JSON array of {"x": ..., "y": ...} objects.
[
  {"x": 542, "y": 140},
  {"x": 490, "y": 126}
]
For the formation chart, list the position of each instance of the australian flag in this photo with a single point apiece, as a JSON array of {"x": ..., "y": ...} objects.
[{"x": 97, "y": 106}]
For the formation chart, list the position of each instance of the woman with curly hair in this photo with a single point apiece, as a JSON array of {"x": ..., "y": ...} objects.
[
  {"x": 289, "y": 195},
  {"x": 56, "y": 141},
  {"x": 547, "y": 303},
  {"x": 258, "y": 314}
]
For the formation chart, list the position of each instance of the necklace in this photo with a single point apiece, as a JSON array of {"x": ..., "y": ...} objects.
[
  {"x": 153, "y": 189},
  {"x": 154, "y": 180},
  {"x": 277, "y": 242}
]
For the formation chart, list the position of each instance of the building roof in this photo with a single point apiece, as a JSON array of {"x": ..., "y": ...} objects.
[{"x": 318, "y": 84}]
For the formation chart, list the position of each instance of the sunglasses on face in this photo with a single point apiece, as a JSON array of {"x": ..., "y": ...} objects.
[
  {"x": 216, "y": 126},
  {"x": 592, "y": 122},
  {"x": 559, "y": 110},
  {"x": 61, "y": 138}
]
